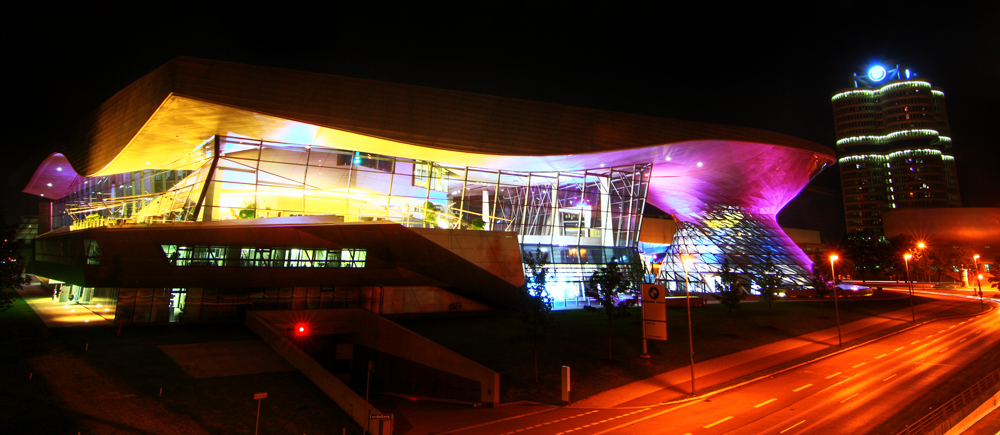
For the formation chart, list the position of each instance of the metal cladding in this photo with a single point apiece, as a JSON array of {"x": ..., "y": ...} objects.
[{"x": 167, "y": 119}]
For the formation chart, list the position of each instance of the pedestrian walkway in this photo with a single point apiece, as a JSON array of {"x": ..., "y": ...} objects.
[
  {"x": 676, "y": 384},
  {"x": 61, "y": 314}
]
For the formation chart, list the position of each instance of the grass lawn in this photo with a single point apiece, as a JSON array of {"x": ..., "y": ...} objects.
[{"x": 580, "y": 340}]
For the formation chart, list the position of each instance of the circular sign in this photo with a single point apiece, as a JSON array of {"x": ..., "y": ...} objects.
[
  {"x": 654, "y": 293},
  {"x": 876, "y": 73}
]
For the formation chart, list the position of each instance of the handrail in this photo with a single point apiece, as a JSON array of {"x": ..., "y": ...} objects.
[{"x": 988, "y": 385}]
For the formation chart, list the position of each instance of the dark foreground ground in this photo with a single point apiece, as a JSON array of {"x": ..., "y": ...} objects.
[{"x": 88, "y": 379}]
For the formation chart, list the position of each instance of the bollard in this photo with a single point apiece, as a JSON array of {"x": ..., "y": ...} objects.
[
  {"x": 86, "y": 348},
  {"x": 31, "y": 375},
  {"x": 161, "y": 392}
]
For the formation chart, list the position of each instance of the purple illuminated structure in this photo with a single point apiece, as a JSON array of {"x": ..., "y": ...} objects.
[{"x": 210, "y": 141}]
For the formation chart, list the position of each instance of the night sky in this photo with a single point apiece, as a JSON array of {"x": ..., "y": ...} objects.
[{"x": 773, "y": 69}]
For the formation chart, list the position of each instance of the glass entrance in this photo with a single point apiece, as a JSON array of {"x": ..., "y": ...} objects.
[{"x": 176, "y": 305}]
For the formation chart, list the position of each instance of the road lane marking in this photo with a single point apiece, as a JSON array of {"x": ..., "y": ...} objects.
[
  {"x": 966, "y": 338},
  {"x": 942, "y": 350},
  {"x": 929, "y": 336},
  {"x": 763, "y": 403},
  {"x": 859, "y": 365},
  {"x": 720, "y": 421},
  {"x": 880, "y": 356},
  {"x": 915, "y": 342},
  {"x": 952, "y": 326},
  {"x": 835, "y": 374},
  {"x": 941, "y": 331},
  {"x": 802, "y": 388},
  {"x": 841, "y": 382},
  {"x": 918, "y": 362},
  {"x": 899, "y": 348},
  {"x": 793, "y": 426},
  {"x": 890, "y": 377},
  {"x": 849, "y": 398},
  {"x": 977, "y": 332}
]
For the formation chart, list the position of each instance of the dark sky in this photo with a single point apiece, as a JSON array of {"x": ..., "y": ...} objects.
[{"x": 773, "y": 69}]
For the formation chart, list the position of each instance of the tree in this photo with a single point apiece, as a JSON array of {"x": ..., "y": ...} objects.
[
  {"x": 867, "y": 254},
  {"x": 950, "y": 256},
  {"x": 769, "y": 278},
  {"x": 607, "y": 286},
  {"x": 535, "y": 303},
  {"x": 995, "y": 279},
  {"x": 823, "y": 286},
  {"x": 11, "y": 265},
  {"x": 730, "y": 293}
]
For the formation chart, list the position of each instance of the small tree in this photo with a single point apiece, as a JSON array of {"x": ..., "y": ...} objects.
[
  {"x": 769, "y": 278},
  {"x": 607, "y": 286},
  {"x": 11, "y": 264},
  {"x": 535, "y": 304},
  {"x": 822, "y": 286},
  {"x": 635, "y": 273},
  {"x": 730, "y": 294}
]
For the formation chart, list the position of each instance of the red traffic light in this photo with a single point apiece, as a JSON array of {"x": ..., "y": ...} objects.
[{"x": 301, "y": 329}]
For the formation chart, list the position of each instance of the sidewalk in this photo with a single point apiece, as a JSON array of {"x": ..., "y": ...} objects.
[
  {"x": 60, "y": 314},
  {"x": 676, "y": 384}
]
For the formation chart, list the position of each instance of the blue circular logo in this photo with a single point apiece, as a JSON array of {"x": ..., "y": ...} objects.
[{"x": 876, "y": 73}]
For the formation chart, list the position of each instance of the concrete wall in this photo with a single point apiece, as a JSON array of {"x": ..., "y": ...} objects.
[
  {"x": 382, "y": 335},
  {"x": 657, "y": 231},
  {"x": 495, "y": 251},
  {"x": 426, "y": 299},
  {"x": 276, "y": 337}
]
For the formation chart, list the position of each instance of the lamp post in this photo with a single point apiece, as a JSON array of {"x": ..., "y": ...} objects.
[
  {"x": 909, "y": 285},
  {"x": 922, "y": 246},
  {"x": 686, "y": 261},
  {"x": 836, "y": 308},
  {"x": 979, "y": 281}
]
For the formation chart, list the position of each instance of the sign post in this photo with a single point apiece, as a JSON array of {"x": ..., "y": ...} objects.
[
  {"x": 565, "y": 384},
  {"x": 258, "y": 397},
  {"x": 383, "y": 419},
  {"x": 654, "y": 315}
]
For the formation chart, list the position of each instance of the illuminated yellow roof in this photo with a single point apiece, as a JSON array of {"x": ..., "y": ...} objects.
[{"x": 159, "y": 120}]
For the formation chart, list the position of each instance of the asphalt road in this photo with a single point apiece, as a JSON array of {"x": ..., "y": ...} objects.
[{"x": 846, "y": 393}]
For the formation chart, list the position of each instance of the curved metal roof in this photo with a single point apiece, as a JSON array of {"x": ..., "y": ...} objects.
[
  {"x": 177, "y": 106},
  {"x": 171, "y": 111}
]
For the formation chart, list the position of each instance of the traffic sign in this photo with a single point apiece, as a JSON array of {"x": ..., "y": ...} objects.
[{"x": 258, "y": 396}]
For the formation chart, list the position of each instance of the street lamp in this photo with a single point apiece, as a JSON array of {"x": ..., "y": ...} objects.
[
  {"x": 921, "y": 246},
  {"x": 836, "y": 308},
  {"x": 909, "y": 285},
  {"x": 688, "y": 261},
  {"x": 979, "y": 281}
]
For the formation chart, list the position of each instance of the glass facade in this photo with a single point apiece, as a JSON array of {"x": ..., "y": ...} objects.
[
  {"x": 729, "y": 233},
  {"x": 582, "y": 218}
]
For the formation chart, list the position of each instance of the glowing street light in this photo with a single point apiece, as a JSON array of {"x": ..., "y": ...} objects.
[
  {"x": 909, "y": 285},
  {"x": 979, "y": 281},
  {"x": 836, "y": 308},
  {"x": 688, "y": 261}
]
